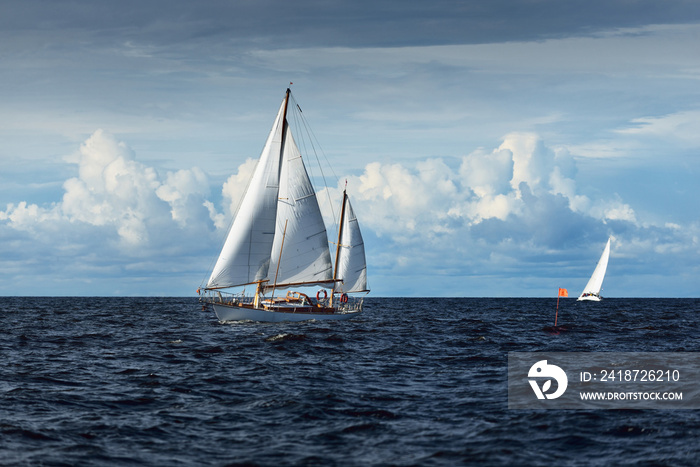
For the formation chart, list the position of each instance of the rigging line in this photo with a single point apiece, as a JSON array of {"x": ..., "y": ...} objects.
[
  {"x": 312, "y": 140},
  {"x": 308, "y": 136}
]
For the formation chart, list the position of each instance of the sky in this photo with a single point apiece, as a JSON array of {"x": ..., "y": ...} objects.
[{"x": 490, "y": 148}]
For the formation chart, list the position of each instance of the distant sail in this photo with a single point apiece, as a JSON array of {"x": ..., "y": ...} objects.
[{"x": 595, "y": 283}]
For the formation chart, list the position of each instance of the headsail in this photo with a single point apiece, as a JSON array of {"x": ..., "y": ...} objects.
[
  {"x": 305, "y": 256},
  {"x": 352, "y": 264},
  {"x": 245, "y": 256},
  {"x": 595, "y": 283}
]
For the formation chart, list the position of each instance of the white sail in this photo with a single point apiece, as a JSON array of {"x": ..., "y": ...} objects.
[
  {"x": 278, "y": 240},
  {"x": 245, "y": 256},
  {"x": 352, "y": 265},
  {"x": 300, "y": 231},
  {"x": 595, "y": 283}
]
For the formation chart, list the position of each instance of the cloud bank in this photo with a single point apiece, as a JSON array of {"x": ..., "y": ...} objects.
[{"x": 512, "y": 212}]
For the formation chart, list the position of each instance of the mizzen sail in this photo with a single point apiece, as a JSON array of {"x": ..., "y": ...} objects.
[{"x": 352, "y": 264}]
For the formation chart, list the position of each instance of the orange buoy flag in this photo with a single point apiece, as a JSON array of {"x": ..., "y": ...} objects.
[{"x": 563, "y": 293}]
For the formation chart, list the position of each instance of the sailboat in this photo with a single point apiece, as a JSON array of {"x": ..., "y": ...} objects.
[
  {"x": 592, "y": 290},
  {"x": 278, "y": 244}
]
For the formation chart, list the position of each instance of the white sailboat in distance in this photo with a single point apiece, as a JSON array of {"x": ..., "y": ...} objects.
[
  {"x": 592, "y": 290},
  {"x": 278, "y": 242}
]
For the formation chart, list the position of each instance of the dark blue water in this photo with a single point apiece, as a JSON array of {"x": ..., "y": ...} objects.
[{"x": 157, "y": 381}]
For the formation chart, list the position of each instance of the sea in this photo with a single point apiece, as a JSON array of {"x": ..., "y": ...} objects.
[{"x": 411, "y": 381}]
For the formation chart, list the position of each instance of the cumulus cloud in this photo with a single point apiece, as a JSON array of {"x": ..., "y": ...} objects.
[
  {"x": 114, "y": 209},
  {"x": 531, "y": 160},
  {"x": 235, "y": 186},
  {"x": 514, "y": 182},
  {"x": 112, "y": 189},
  {"x": 488, "y": 174}
]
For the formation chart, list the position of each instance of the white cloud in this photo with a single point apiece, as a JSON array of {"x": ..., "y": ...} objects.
[
  {"x": 112, "y": 189},
  {"x": 430, "y": 196},
  {"x": 488, "y": 173},
  {"x": 405, "y": 201},
  {"x": 234, "y": 188},
  {"x": 27, "y": 217},
  {"x": 115, "y": 191},
  {"x": 619, "y": 211},
  {"x": 185, "y": 191},
  {"x": 531, "y": 160}
]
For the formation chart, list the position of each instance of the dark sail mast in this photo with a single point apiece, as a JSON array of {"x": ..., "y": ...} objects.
[{"x": 340, "y": 235}]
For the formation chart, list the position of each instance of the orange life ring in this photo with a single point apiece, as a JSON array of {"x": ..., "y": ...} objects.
[
  {"x": 318, "y": 295},
  {"x": 344, "y": 298}
]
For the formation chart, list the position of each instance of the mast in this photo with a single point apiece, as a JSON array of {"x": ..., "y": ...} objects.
[
  {"x": 284, "y": 124},
  {"x": 279, "y": 260},
  {"x": 259, "y": 289},
  {"x": 340, "y": 234}
]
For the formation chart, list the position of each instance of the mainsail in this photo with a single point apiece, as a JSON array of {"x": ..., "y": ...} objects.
[{"x": 595, "y": 283}]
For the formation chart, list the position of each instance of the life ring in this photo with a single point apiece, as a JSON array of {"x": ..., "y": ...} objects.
[
  {"x": 344, "y": 298},
  {"x": 318, "y": 295}
]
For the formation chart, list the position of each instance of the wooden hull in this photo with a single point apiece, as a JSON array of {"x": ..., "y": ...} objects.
[{"x": 226, "y": 312}]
